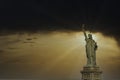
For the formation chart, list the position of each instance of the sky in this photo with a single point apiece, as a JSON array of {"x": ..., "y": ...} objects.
[{"x": 42, "y": 39}]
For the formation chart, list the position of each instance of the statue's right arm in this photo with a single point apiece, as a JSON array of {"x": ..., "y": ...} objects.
[{"x": 84, "y": 32}]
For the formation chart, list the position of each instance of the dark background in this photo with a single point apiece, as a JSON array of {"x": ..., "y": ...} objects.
[{"x": 50, "y": 15}]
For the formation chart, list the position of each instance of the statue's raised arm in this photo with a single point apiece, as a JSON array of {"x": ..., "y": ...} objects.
[{"x": 84, "y": 31}]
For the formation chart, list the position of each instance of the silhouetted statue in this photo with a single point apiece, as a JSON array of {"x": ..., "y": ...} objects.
[{"x": 91, "y": 47}]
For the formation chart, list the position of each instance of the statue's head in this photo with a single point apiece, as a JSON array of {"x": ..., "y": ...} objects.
[{"x": 90, "y": 36}]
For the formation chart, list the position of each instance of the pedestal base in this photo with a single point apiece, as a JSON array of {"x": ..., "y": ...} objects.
[{"x": 91, "y": 73}]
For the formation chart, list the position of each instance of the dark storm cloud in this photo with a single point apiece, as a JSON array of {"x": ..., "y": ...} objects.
[
  {"x": 28, "y": 42},
  {"x": 8, "y": 42},
  {"x": 29, "y": 39},
  {"x": 52, "y": 15},
  {"x": 12, "y": 48},
  {"x": 1, "y": 51}
]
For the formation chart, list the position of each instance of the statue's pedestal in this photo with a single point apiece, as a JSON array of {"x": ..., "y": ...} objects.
[{"x": 91, "y": 73}]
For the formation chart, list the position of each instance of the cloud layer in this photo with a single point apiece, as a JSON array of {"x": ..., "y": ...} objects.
[{"x": 57, "y": 55}]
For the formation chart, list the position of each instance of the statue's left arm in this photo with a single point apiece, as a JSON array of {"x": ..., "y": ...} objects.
[{"x": 96, "y": 46}]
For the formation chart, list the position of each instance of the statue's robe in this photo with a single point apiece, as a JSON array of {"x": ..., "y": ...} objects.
[{"x": 91, "y": 47}]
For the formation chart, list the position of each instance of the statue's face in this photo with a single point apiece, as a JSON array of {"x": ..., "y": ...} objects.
[{"x": 90, "y": 36}]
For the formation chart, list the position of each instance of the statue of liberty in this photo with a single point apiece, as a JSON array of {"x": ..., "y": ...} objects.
[{"x": 91, "y": 47}]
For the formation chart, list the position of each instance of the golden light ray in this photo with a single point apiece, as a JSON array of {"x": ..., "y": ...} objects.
[{"x": 59, "y": 58}]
